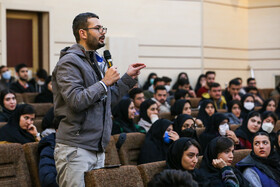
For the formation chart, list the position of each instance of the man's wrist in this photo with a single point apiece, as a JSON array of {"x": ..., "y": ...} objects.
[{"x": 104, "y": 85}]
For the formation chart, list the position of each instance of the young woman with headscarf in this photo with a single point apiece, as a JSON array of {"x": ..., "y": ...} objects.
[
  {"x": 269, "y": 120},
  {"x": 216, "y": 164},
  {"x": 250, "y": 126},
  {"x": 157, "y": 141},
  {"x": 201, "y": 81},
  {"x": 149, "y": 81},
  {"x": 234, "y": 111},
  {"x": 123, "y": 118},
  {"x": 183, "y": 155},
  {"x": 206, "y": 110},
  {"x": 262, "y": 166},
  {"x": 8, "y": 103},
  {"x": 148, "y": 114},
  {"x": 181, "y": 106},
  {"x": 268, "y": 105},
  {"x": 20, "y": 128},
  {"x": 181, "y": 75},
  {"x": 248, "y": 105}
]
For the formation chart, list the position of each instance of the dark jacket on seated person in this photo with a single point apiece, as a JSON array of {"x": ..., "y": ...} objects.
[
  {"x": 18, "y": 88},
  {"x": 46, "y": 96}
]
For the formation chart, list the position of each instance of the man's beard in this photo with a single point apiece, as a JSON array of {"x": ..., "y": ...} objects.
[
  {"x": 93, "y": 44},
  {"x": 23, "y": 79}
]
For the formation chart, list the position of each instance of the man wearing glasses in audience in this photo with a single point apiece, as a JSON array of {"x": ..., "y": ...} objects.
[{"x": 84, "y": 91}]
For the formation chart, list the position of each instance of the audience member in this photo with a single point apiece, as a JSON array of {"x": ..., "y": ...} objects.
[
  {"x": 254, "y": 91},
  {"x": 8, "y": 103},
  {"x": 184, "y": 84},
  {"x": 137, "y": 96},
  {"x": 268, "y": 105},
  {"x": 241, "y": 90},
  {"x": 20, "y": 128},
  {"x": 232, "y": 91},
  {"x": 181, "y": 106},
  {"x": 124, "y": 114},
  {"x": 201, "y": 81},
  {"x": 277, "y": 142},
  {"x": 148, "y": 114},
  {"x": 269, "y": 120},
  {"x": 160, "y": 97},
  {"x": 149, "y": 81},
  {"x": 184, "y": 125},
  {"x": 210, "y": 78},
  {"x": 167, "y": 82},
  {"x": 262, "y": 166},
  {"x": 48, "y": 123},
  {"x": 234, "y": 112},
  {"x": 181, "y": 75},
  {"x": 248, "y": 105},
  {"x": 275, "y": 92},
  {"x": 46, "y": 96},
  {"x": 6, "y": 78},
  {"x": 206, "y": 110},
  {"x": 215, "y": 94},
  {"x": 157, "y": 141},
  {"x": 181, "y": 94},
  {"x": 250, "y": 126},
  {"x": 39, "y": 80},
  {"x": 151, "y": 90},
  {"x": 216, "y": 164},
  {"x": 21, "y": 85}
]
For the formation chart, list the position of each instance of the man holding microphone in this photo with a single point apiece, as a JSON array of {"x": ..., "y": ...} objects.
[{"x": 83, "y": 96}]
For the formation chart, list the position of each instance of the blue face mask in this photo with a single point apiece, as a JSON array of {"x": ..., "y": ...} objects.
[
  {"x": 152, "y": 81},
  {"x": 166, "y": 138},
  {"x": 7, "y": 75}
]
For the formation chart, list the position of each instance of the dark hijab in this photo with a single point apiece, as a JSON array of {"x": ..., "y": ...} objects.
[
  {"x": 263, "y": 109},
  {"x": 178, "y": 123},
  {"x": 148, "y": 83},
  {"x": 12, "y": 132},
  {"x": 120, "y": 114},
  {"x": 5, "y": 114},
  {"x": 202, "y": 114},
  {"x": 243, "y": 131},
  {"x": 175, "y": 86},
  {"x": 46, "y": 96},
  {"x": 143, "y": 109},
  {"x": 233, "y": 102},
  {"x": 198, "y": 84},
  {"x": 214, "y": 174},
  {"x": 244, "y": 111},
  {"x": 178, "y": 106},
  {"x": 154, "y": 148}
]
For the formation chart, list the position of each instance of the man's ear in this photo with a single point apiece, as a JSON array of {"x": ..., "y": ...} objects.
[{"x": 83, "y": 34}]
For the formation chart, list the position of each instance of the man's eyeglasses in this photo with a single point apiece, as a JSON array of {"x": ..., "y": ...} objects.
[{"x": 100, "y": 29}]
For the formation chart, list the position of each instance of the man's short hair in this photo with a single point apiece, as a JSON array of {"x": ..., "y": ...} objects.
[
  {"x": 161, "y": 87},
  {"x": 249, "y": 88},
  {"x": 180, "y": 93},
  {"x": 158, "y": 79},
  {"x": 214, "y": 85},
  {"x": 19, "y": 66},
  {"x": 210, "y": 72},
  {"x": 81, "y": 22},
  {"x": 166, "y": 79},
  {"x": 173, "y": 178},
  {"x": 42, "y": 74},
  {"x": 182, "y": 82},
  {"x": 250, "y": 79},
  {"x": 134, "y": 91},
  {"x": 234, "y": 82}
]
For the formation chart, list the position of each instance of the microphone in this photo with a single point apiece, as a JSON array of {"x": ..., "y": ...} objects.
[{"x": 108, "y": 58}]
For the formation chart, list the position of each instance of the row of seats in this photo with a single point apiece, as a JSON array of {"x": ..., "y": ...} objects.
[{"x": 26, "y": 97}]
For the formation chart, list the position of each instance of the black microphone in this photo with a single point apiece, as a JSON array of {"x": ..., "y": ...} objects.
[{"x": 108, "y": 58}]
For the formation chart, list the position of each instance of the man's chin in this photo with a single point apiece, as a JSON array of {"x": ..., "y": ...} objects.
[{"x": 100, "y": 45}]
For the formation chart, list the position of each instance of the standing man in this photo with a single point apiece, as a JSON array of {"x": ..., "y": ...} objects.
[{"x": 83, "y": 95}]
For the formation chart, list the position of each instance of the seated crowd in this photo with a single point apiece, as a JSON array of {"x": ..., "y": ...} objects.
[{"x": 171, "y": 123}]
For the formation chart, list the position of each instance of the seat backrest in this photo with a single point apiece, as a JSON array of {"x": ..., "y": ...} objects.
[
  {"x": 32, "y": 159},
  {"x": 239, "y": 155},
  {"x": 19, "y": 98},
  {"x": 123, "y": 176},
  {"x": 149, "y": 170},
  {"x": 111, "y": 153},
  {"x": 265, "y": 92},
  {"x": 222, "y": 110},
  {"x": 194, "y": 113},
  {"x": 199, "y": 131},
  {"x": 38, "y": 124},
  {"x": 277, "y": 126},
  {"x": 41, "y": 109},
  {"x": 29, "y": 97},
  {"x": 195, "y": 102},
  {"x": 130, "y": 149},
  {"x": 13, "y": 166},
  {"x": 165, "y": 115}
]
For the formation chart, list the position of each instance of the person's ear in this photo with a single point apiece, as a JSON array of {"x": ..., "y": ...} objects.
[{"x": 83, "y": 34}]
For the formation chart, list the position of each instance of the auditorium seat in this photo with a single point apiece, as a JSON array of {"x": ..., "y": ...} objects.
[
  {"x": 265, "y": 92},
  {"x": 233, "y": 127},
  {"x": 111, "y": 153},
  {"x": 222, "y": 110},
  {"x": 32, "y": 159},
  {"x": 130, "y": 149},
  {"x": 38, "y": 124},
  {"x": 195, "y": 102},
  {"x": 239, "y": 155},
  {"x": 123, "y": 176},
  {"x": 41, "y": 109},
  {"x": 13, "y": 166},
  {"x": 19, "y": 98},
  {"x": 29, "y": 97},
  {"x": 199, "y": 131},
  {"x": 194, "y": 113},
  {"x": 165, "y": 115},
  {"x": 277, "y": 126},
  {"x": 147, "y": 171}
]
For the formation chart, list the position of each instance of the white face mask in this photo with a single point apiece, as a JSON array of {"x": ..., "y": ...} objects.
[
  {"x": 249, "y": 105},
  {"x": 40, "y": 83},
  {"x": 223, "y": 129},
  {"x": 167, "y": 87},
  {"x": 267, "y": 127},
  {"x": 154, "y": 117}
]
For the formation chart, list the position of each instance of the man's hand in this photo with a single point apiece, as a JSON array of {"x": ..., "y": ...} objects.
[
  {"x": 111, "y": 76},
  {"x": 134, "y": 69},
  {"x": 236, "y": 97}
]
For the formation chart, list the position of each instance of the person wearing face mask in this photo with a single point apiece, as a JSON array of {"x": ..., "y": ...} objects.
[
  {"x": 216, "y": 165},
  {"x": 148, "y": 114},
  {"x": 250, "y": 126},
  {"x": 157, "y": 141},
  {"x": 39, "y": 80},
  {"x": 248, "y": 105},
  {"x": 8, "y": 103},
  {"x": 181, "y": 106},
  {"x": 46, "y": 96},
  {"x": 269, "y": 120},
  {"x": 150, "y": 81},
  {"x": 262, "y": 166},
  {"x": 234, "y": 111},
  {"x": 6, "y": 78},
  {"x": 184, "y": 125}
]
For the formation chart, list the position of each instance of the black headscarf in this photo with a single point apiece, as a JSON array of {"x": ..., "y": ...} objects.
[
  {"x": 178, "y": 106},
  {"x": 143, "y": 109},
  {"x": 147, "y": 83},
  {"x": 263, "y": 109},
  {"x": 233, "y": 102},
  {"x": 12, "y": 132},
  {"x": 198, "y": 84},
  {"x": 178, "y": 123},
  {"x": 5, "y": 114},
  {"x": 244, "y": 111},
  {"x": 120, "y": 114},
  {"x": 202, "y": 114},
  {"x": 243, "y": 130},
  {"x": 154, "y": 148},
  {"x": 175, "y": 86},
  {"x": 212, "y": 130},
  {"x": 214, "y": 174}
]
